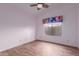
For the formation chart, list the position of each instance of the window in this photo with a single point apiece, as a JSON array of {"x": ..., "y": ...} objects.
[{"x": 53, "y": 25}]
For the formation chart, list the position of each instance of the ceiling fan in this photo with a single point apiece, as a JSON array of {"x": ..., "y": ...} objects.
[{"x": 40, "y": 5}]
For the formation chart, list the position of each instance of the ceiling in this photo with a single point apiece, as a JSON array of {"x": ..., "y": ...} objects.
[{"x": 26, "y": 7}]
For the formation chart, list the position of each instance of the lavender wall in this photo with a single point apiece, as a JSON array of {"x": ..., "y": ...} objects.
[
  {"x": 16, "y": 27},
  {"x": 69, "y": 30},
  {"x": 78, "y": 23}
]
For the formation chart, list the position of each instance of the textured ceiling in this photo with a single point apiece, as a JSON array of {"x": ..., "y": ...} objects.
[{"x": 26, "y": 7}]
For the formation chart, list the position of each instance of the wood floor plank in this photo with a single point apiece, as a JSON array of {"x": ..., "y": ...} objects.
[{"x": 41, "y": 48}]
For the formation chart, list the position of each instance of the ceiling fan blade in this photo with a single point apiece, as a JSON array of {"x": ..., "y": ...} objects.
[
  {"x": 40, "y": 3},
  {"x": 33, "y": 5},
  {"x": 45, "y": 6}
]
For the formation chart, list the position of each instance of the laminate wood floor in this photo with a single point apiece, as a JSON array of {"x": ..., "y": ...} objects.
[{"x": 41, "y": 48}]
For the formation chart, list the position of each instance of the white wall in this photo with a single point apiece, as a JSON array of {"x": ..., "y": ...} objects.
[
  {"x": 78, "y": 24},
  {"x": 69, "y": 31},
  {"x": 16, "y": 27}
]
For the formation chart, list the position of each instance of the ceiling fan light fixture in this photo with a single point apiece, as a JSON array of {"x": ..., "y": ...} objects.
[{"x": 39, "y": 6}]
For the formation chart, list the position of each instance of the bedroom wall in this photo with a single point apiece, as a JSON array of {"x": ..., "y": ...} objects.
[
  {"x": 69, "y": 30},
  {"x": 16, "y": 27},
  {"x": 78, "y": 23}
]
